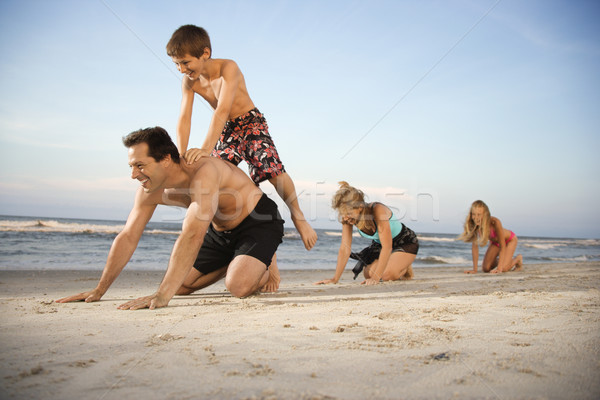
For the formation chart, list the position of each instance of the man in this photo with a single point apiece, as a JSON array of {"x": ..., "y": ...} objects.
[{"x": 231, "y": 228}]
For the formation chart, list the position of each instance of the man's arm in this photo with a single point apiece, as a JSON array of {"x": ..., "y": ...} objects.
[
  {"x": 121, "y": 250},
  {"x": 203, "y": 207}
]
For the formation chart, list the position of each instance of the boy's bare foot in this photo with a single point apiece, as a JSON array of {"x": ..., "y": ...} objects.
[
  {"x": 274, "y": 278},
  {"x": 519, "y": 264},
  {"x": 307, "y": 233}
]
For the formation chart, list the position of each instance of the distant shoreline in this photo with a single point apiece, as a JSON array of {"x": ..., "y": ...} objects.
[{"x": 288, "y": 227}]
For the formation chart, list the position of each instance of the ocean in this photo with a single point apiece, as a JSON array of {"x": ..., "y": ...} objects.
[{"x": 29, "y": 243}]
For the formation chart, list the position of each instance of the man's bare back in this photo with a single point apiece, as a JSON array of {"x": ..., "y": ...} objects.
[{"x": 237, "y": 195}]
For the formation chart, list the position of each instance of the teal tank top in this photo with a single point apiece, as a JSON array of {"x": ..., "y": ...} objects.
[{"x": 395, "y": 226}]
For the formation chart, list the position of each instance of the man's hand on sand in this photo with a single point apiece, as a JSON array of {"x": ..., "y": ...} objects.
[
  {"x": 151, "y": 302},
  {"x": 88, "y": 297}
]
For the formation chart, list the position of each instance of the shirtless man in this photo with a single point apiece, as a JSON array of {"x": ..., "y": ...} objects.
[
  {"x": 238, "y": 130},
  {"x": 231, "y": 228}
]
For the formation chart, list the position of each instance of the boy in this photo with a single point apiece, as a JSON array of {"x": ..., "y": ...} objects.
[{"x": 237, "y": 130}]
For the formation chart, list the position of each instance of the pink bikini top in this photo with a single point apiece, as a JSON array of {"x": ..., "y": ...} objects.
[{"x": 493, "y": 235}]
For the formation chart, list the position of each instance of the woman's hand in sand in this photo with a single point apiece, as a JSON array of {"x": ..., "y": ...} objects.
[
  {"x": 151, "y": 302},
  {"x": 470, "y": 271},
  {"x": 326, "y": 282},
  {"x": 88, "y": 297}
]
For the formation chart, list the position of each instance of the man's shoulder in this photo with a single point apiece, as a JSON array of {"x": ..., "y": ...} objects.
[
  {"x": 207, "y": 163},
  {"x": 205, "y": 167},
  {"x": 143, "y": 198}
]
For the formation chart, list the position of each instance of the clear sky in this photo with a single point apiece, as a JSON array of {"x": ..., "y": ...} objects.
[{"x": 425, "y": 105}]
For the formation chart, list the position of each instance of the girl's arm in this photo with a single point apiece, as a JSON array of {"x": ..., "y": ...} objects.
[
  {"x": 343, "y": 255},
  {"x": 475, "y": 254},
  {"x": 502, "y": 257},
  {"x": 382, "y": 218}
]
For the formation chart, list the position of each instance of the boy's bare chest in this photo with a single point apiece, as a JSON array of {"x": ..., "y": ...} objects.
[{"x": 209, "y": 90}]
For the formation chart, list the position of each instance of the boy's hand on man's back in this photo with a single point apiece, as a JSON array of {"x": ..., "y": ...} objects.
[{"x": 193, "y": 155}]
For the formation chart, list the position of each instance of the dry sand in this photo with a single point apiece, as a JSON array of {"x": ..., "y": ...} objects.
[{"x": 527, "y": 335}]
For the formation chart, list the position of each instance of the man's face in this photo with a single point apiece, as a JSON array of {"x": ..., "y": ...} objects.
[
  {"x": 149, "y": 172},
  {"x": 189, "y": 66}
]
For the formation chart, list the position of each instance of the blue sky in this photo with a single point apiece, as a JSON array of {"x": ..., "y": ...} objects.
[{"x": 425, "y": 105}]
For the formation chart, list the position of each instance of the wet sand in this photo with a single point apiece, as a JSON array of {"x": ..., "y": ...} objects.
[{"x": 533, "y": 334}]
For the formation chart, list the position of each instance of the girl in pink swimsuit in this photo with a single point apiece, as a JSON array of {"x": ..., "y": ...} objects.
[{"x": 480, "y": 227}]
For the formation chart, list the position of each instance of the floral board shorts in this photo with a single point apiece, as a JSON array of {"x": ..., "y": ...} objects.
[{"x": 247, "y": 138}]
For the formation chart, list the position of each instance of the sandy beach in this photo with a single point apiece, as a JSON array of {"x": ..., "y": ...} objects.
[{"x": 533, "y": 334}]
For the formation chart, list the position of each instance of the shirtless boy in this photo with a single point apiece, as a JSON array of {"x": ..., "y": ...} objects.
[
  {"x": 237, "y": 130},
  {"x": 231, "y": 228}
]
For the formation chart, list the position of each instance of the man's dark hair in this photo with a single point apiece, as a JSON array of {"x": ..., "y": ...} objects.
[
  {"x": 158, "y": 140},
  {"x": 189, "y": 39}
]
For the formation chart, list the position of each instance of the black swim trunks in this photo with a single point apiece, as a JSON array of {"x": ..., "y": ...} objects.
[
  {"x": 406, "y": 241},
  {"x": 258, "y": 235},
  {"x": 247, "y": 138}
]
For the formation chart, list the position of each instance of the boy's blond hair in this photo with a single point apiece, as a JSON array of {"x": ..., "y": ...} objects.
[
  {"x": 473, "y": 233},
  {"x": 189, "y": 39}
]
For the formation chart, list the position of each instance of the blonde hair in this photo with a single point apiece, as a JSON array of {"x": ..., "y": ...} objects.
[
  {"x": 350, "y": 197},
  {"x": 473, "y": 233},
  {"x": 347, "y": 196}
]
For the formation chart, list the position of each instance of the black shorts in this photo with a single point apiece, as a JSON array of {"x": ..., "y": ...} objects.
[
  {"x": 258, "y": 236},
  {"x": 406, "y": 241}
]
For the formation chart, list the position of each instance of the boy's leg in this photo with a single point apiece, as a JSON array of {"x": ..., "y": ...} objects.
[
  {"x": 287, "y": 191},
  {"x": 264, "y": 162}
]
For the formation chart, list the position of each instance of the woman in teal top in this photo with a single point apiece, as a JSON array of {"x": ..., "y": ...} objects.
[{"x": 394, "y": 246}]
